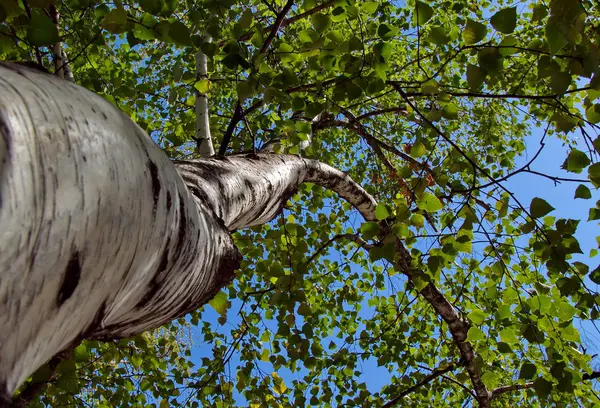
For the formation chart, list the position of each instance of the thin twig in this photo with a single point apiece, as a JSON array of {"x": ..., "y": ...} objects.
[{"x": 436, "y": 373}]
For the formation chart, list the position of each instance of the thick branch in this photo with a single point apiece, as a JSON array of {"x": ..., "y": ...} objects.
[{"x": 251, "y": 189}]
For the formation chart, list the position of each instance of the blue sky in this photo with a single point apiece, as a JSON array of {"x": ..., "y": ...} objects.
[{"x": 525, "y": 186}]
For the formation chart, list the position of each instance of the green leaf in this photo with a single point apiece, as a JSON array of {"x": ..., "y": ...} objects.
[
  {"x": 505, "y": 20},
  {"x": 438, "y": 35},
  {"x": 180, "y": 33},
  {"x": 560, "y": 82},
  {"x": 507, "y": 45},
  {"x": 203, "y": 86},
  {"x": 583, "y": 192},
  {"x": 423, "y": 12},
  {"x": 304, "y": 309},
  {"x": 369, "y": 229},
  {"x": 220, "y": 303},
  {"x": 592, "y": 113},
  {"x": 563, "y": 122},
  {"x": 450, "y": 111},
  {"x": 542, "y": 387},
  {"x": 539, "y": 207},
  {"x": 430, "y": 87},
  {"x": 477, "y": 316},
  {"x": 475, "y": 76},
  {"x": 508, "y": 336},
  {"x": 246, "y": 19},
  {"x": 595, "y": 275},
  {"x": 320, "y": 22},
  {"x": 417, "y": 220},
  {"x": 576, "y": 161},
  {"x": 386, "y": 32},
  {"x": 381, "y": 211},
  {"x": 429, "y": 203},
  {"x": 115, "y": 21},
  {"x": 164, "y": 403},
  {"x": 490, "y": 60},
  {"x": 418, "y": 149},
  {"x": 594, "y": 174},
  {"x": 151, "y": 6},
  {"x": 555, "y": 37},
  {"x": 540, "y": 11},
  {"x": 145, "y": 31},
  {"x": 81, "y": 353},
  {"x": 42, "y": 374},
  {"x": 473, "y": 32},
  {"x": 528, "y": 370},
  {"x": 475, "y": 334},
  {"x": 41, "y": 30}
]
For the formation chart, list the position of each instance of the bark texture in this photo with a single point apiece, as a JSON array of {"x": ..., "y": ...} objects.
[{"x": 101, "y": 236}]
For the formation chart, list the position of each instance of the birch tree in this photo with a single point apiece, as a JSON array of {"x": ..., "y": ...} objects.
[{"x": 439, "y": 282}]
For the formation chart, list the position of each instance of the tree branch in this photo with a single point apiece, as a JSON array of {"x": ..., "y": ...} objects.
[
  {"x": 276, "y": 26},
  {"x": 352, "y": 237},
  {"x": 458, "y": 326},
  {"x": 508, "y": 388},
  {"x": 435, "y": 374},
  {"x": 238, "y": 114},
  {"x": 399, "y": 109},
  {"x": 290, "y": 20}
]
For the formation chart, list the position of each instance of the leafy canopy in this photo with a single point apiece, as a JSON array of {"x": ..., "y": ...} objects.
[{"x": 430, "y": 104}]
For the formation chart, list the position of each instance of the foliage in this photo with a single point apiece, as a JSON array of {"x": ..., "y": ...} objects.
[{"x": 430, "y": 105}]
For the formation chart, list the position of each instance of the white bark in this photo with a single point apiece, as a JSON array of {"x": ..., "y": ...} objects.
[
  {"x": 61, "y": 62},
  {"x": 203, "y": 137},
  {"x": 99, "y": 236}
]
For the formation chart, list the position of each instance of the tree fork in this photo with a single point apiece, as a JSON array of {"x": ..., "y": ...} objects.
[{"x": 103, "y": 237}]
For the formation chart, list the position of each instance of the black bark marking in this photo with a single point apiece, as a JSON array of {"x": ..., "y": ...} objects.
[
  {"x": 169, "y": 200},
  {"x": 155, "y": 184},
  {"x": 181, "y": 232},
  {"x": 70, "y": 281},
  {"x": 96, "y": 324},
  {"x": 154, "y": 284},
  {"x": 5, "y": 134}
]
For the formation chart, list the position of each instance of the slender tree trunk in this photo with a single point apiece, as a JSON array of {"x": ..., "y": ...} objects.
[
  {"x": 101, "y": 236},
  {"x": 203, "y": 137}
]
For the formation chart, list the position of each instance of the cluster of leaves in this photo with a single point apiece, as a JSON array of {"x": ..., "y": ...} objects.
[{"x": 430, "y": 105}]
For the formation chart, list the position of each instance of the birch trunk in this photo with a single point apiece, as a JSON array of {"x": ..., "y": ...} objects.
[
  {"x": 101, "y": 236},
  {"x": 203, "y": 137}
]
